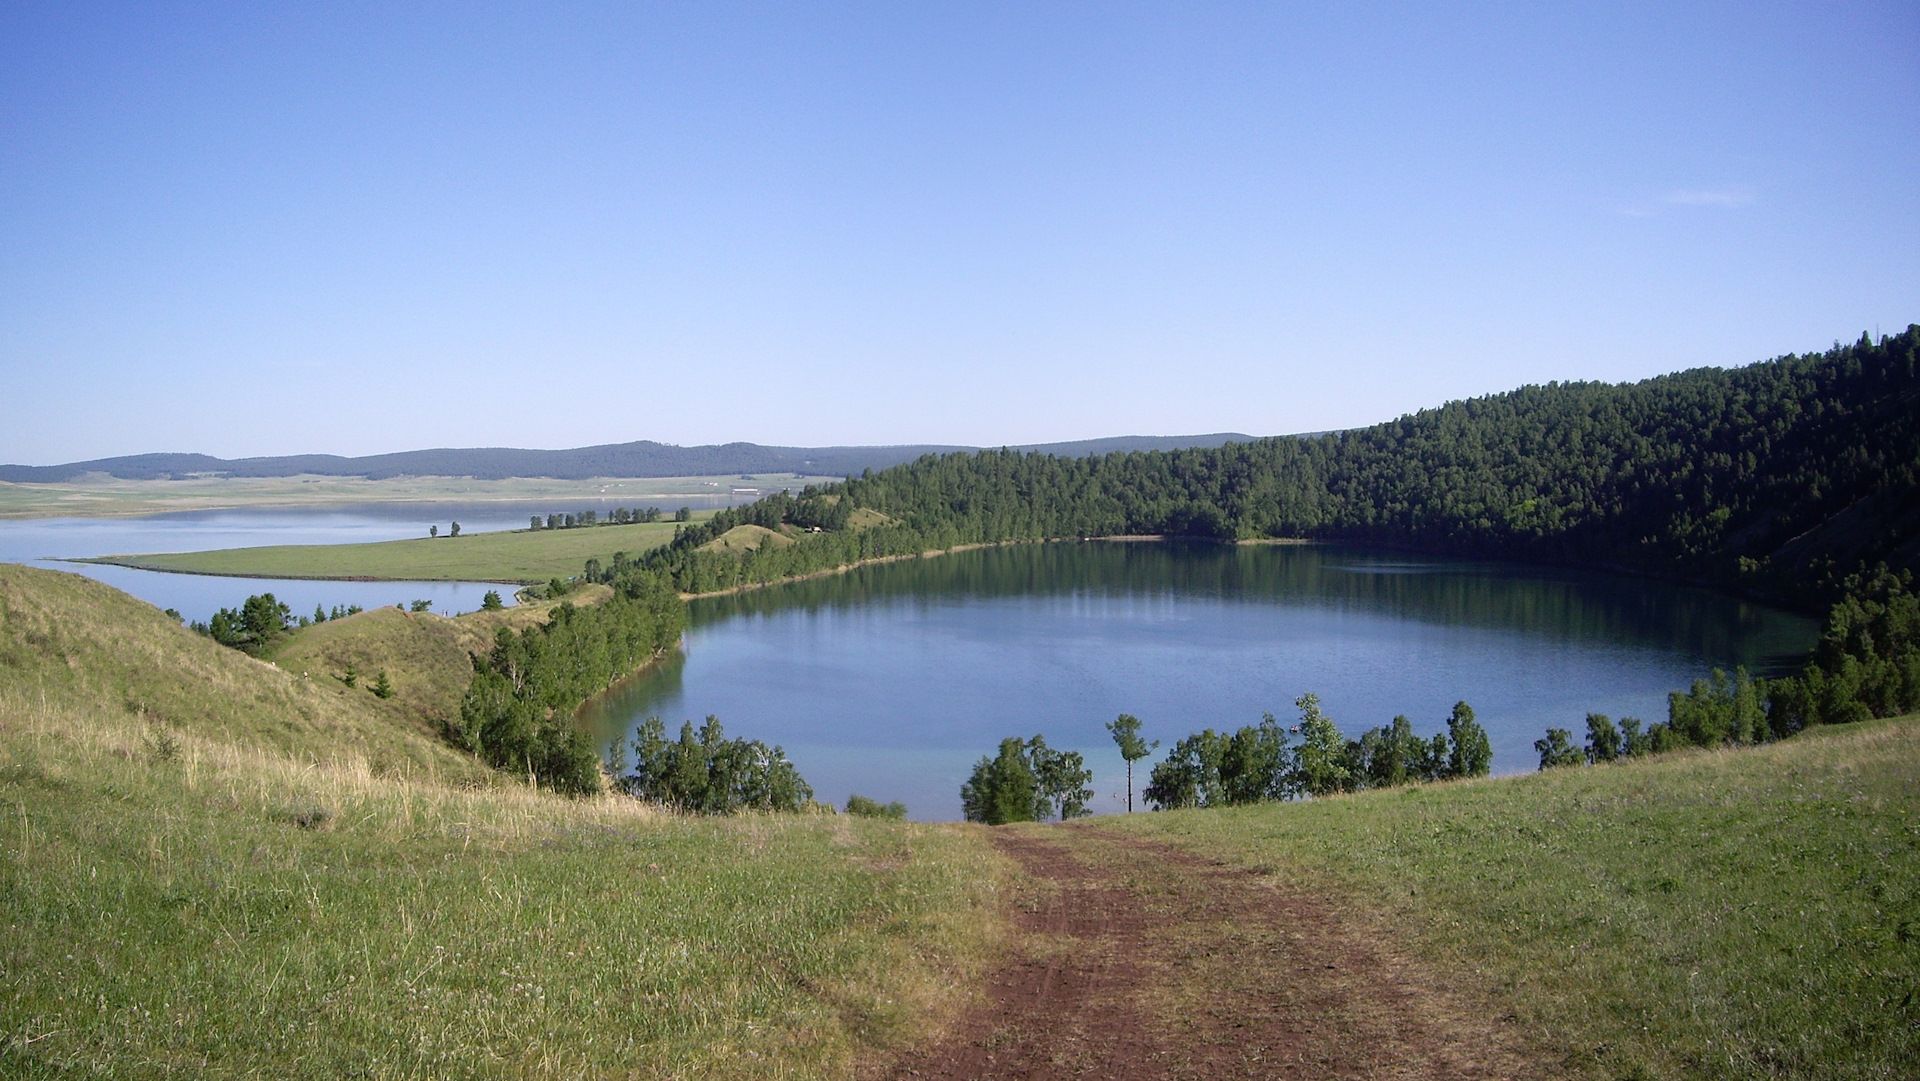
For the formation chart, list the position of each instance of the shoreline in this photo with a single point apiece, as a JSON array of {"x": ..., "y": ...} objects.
[{"x": 1116, "y": 538}]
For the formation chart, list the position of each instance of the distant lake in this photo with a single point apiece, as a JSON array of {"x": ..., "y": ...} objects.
[
  {"x": 44, "y": 542},
  {"x": 891, "y": 680}
]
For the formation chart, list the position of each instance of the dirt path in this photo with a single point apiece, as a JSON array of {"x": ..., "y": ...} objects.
[{"x": 1140, "y": 961}]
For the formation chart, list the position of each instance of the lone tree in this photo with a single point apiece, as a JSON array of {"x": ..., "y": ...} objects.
[
  {"x": 433, "y": 531},
  {"x": 454, "y": 531},
  {"x": 1126, "y": 734}
]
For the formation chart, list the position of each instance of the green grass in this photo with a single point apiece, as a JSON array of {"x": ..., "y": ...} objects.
[
  {"x": 508, "y": 556},
  {"x": 98, "y": 496},
  {"x": 222, "y": 888},
  {"x": 1736, "y": 914}
]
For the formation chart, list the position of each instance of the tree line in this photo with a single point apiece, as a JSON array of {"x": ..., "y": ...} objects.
[
  {"x": 517, "y": 714},
  {"x": 1780, "y": 478},
  {"x": 1866, "y": 664},
  {"x": 588, "y": 518},
  {"x": 1259, "y": 763},
  {"x": 263, "y": 620}
]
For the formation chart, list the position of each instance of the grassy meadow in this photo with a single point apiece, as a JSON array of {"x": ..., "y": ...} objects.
[
  {"x": 516, "y": 556},
  {"x": 213, "y": 867},
  {"x": 1726, "y": 914},
  {"x": 104, "y": 496}
]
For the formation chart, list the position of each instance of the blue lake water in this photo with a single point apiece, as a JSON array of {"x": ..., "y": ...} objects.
[
  {"x": 45, "y": 542},
  {"x": 892, "y": 680}
]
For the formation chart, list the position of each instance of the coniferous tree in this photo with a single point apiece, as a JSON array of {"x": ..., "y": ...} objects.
[{"x": 1125, "y": 730}]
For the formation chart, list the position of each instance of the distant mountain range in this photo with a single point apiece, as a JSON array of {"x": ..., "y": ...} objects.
[{"x": 640, "y": 459}]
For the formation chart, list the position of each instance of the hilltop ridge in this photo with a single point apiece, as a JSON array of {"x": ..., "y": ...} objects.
[{"x": 642, "y": 458}]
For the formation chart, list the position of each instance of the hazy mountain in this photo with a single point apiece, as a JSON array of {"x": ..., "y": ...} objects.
[{"x": 639, "y": 459}]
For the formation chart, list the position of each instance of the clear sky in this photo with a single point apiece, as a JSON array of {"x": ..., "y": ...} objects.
[{"x": 275, "y": 228}]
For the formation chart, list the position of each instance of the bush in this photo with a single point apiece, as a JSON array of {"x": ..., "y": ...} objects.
[
  {"x": 868, "y": 808},
  {"x": 1558, "y": 749}
]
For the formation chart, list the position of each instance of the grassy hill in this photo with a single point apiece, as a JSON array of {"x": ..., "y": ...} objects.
[
  {"x": 425, "y": 656},
  {"x": 68, "y": 642},
  {"x": 747, "y": 538},
  {"x": 211, "y": 867},
  {"x": 510, "y": 556}
]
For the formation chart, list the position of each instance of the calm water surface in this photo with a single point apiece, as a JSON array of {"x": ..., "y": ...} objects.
[
  {"x": 892, "y": 680},
  {"x": 44, "y": 542}
]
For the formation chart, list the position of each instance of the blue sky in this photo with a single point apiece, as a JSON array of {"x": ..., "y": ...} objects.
[{"x": 272, "y": 229}]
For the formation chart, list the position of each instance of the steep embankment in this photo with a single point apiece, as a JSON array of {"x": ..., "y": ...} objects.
[
  {"x": 211, "y": 867},
  {"x": 74, "y": 643}
]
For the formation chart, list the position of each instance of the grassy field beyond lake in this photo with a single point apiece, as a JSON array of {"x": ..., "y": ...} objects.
[{"x": 508, "y": 556}]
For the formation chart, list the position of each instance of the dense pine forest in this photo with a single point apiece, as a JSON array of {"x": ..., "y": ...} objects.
[{"x": 1779, "y": 479}]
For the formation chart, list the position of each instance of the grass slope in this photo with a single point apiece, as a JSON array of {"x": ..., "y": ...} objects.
[
  {"x": 68, "y": 642},
  {"x": 1736, "y": 914},
  {"x": 236, "y": 889},
  {"x": 425, "y": 656},
  {"x": 746, "y": 538},
  {"x": 507, "y": 556}
]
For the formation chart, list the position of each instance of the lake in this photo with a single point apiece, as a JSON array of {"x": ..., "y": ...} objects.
[
  {"x": 46, "y": 542},
  {"x": 892, "y": 680}
]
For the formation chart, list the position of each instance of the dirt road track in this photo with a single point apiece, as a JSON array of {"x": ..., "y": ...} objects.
[{"x": 1139, "y": 961}]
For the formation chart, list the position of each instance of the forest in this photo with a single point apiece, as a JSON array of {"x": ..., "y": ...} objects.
[{"x": 1780, "y": 480}]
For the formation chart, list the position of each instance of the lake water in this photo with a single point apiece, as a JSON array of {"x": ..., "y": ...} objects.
[
  {"x": 892, "y": 680},
  {"x": 45, "y": 542}
]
